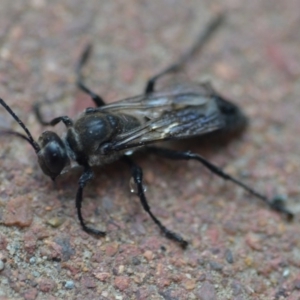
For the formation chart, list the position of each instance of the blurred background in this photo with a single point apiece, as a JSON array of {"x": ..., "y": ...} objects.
[{"x": 239, "y": 249}]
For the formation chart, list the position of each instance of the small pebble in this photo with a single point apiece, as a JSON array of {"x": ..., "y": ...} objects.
[
  {"x": 286, "y": 273},
  {"x": 36, "y": 274},
  {"x": 215, "y": 266},
  {"x": 55, "y": 221},
  {"x": 32, "y": 260},
  {"x": 69, "y": 284},
  {"x": 229, "y": 256},
  {"x": 135, "y": 261},
  {"x": 297, "y": 284},
  {"x": 1, "y": 265}
]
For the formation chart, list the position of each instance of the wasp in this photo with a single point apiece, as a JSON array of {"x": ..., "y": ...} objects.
[{"x": 109, "y": 132}]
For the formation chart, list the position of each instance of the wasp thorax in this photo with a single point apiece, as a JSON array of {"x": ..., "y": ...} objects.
[{"x": 53, "y": 156}]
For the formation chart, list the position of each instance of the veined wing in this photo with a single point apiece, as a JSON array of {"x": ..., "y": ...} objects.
[
  {"x": 167, "y": 115},
  {"x": 148, "y": 107}
]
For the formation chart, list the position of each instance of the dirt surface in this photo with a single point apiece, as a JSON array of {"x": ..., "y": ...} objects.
[{"x": 239, "y": 248}]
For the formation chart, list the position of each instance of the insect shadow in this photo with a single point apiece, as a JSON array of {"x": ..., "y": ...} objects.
[{"x": 110, "y": 132}]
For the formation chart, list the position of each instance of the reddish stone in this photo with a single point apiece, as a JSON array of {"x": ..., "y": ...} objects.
[
  {"x": 163, "y": 282},
  {"x": 88, "y": 282},
  {"x": 18, "y": 212},
  {"x": 207, "y": 292},
  {"x": 213, "y": 235},
  {"x": 56, "y": 250},
  {"x": 143, "y": 293},
  {"x": 3, "y": 242},
  {"x": 61, "y": 248},
  {"x": 47, "y": 285},
  {"x": 296, "y": 284},
  {"x": 30, "y": 294},
  {"x": 71, "y": 267},
  {"x": 40, "y": 231},
  {"x": 98, "y": 257},
  {"x": 111, "y": 249},
  {"x": 50, "y": 297},
  {"x": 253, "y": 241},
  {"x": 149, "y": 255},
  {"x": 190, "y": 284},
  {"x": 104, "y": 276},
  {"x": 29, "y": 242},
  {"x": 122, "y": 282}
]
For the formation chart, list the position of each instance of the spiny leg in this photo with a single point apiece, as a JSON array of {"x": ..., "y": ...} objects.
[
  {"x": 84, "y": 179},
  {"x": 137, "y": 175},
  {"x": 80, "y": 83},
  {"x": 200, "y": 42},
  {"x": 97, "y": 99},
  {"x": 275, "y": 204},
  {"x": 65, "y": 119}
]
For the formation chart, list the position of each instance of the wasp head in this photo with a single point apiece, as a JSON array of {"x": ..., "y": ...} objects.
[{"x": 53, "y": 156}]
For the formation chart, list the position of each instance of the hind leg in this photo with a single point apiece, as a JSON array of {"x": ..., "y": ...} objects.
[
  {"x": 275, "y": 204},
  {"x": 197, "y": 46}
]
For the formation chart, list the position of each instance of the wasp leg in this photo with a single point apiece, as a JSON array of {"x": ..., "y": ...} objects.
[
  {"x": 197, "y": 46},
  {"x": 65, "y": 119},
  {"x": 274, "y": 204},
  {"x": 137, "y": 175},
  {"x": 81, "y": 85},
  {"x": 84, "y": 179},
  {"x": 97, "y": 99}
]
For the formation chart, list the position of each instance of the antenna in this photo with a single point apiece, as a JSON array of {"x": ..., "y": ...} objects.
[{"x": 29, "y": 139}]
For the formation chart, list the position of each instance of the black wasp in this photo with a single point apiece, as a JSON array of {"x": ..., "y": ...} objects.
[{"x": 110, "y": 132}]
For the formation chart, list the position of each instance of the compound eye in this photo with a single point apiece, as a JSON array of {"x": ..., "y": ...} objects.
[{"x": 52, "y": 156}]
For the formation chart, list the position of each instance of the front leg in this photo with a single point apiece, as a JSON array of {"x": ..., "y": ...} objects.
[
  {"x": 65, "y": 119},
  {"x": 84, "y": 179},
  {"x": 80, "y": 82}
]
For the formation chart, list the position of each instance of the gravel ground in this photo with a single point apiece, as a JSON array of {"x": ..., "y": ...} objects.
[{"x": 239, "y": 249}]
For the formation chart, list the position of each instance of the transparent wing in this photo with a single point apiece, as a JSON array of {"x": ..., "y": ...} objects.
[
  {"x": 182, "y": 111},
  {"x": 154, "y": 105},
  {"x": 186, "y": 123}
]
